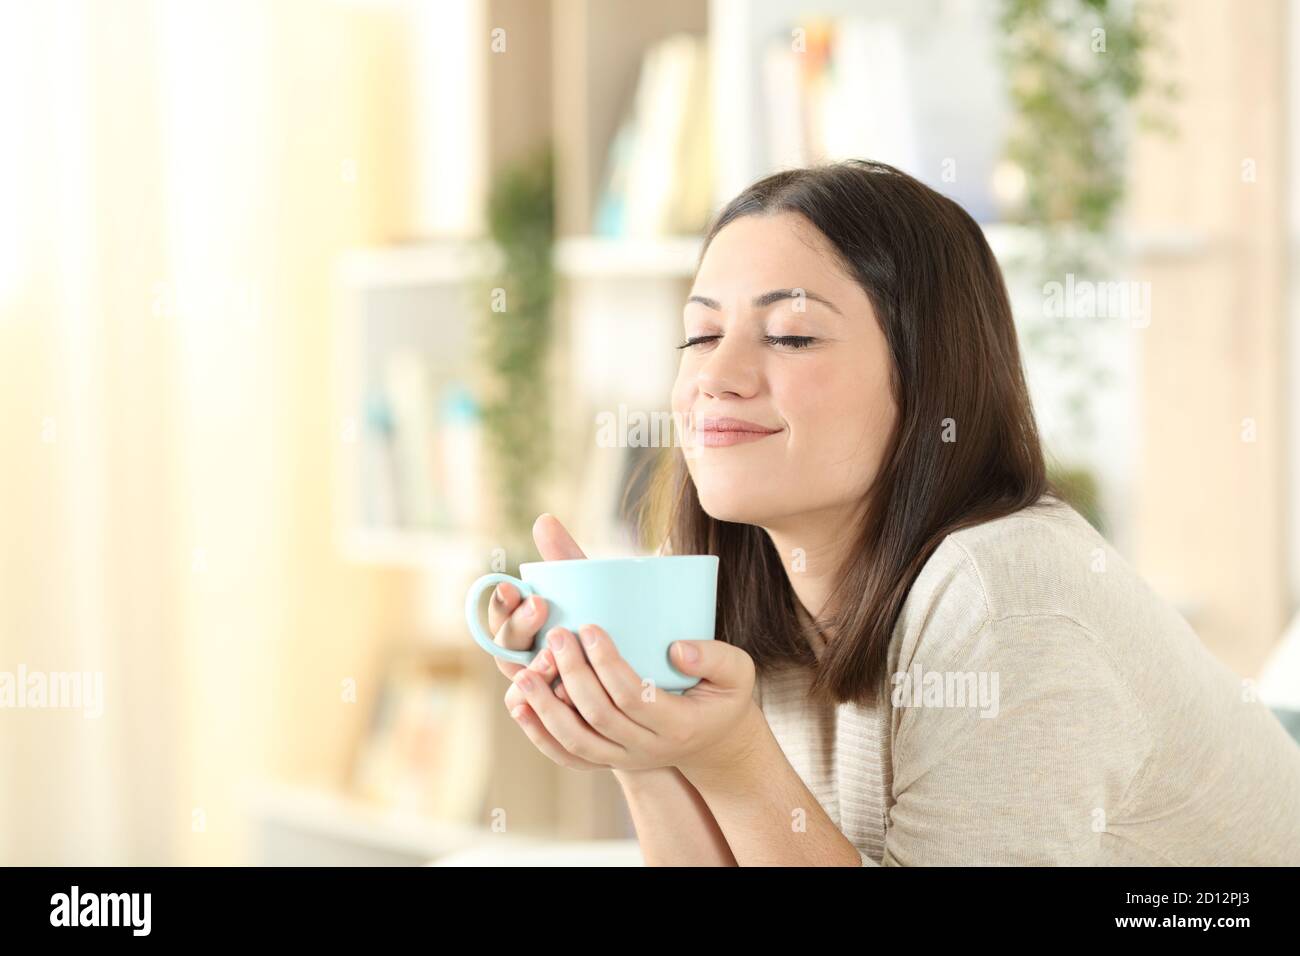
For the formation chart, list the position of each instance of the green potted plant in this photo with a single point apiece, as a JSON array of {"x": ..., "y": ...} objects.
[
  {"x": 1075, "y": 69},
  {"x": 514, "y": 346}
]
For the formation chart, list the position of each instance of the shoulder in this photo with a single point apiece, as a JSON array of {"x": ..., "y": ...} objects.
[
  {"x": 1039, "y": 562},
  {"x": 1018, "y": 601},
  {"x": 1043, "y": 559}
]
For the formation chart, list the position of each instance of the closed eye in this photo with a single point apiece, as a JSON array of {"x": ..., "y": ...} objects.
[{"x": 788, "y": 341}]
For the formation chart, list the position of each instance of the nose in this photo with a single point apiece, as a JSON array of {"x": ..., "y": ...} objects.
[{"x": 727, "y": 370}]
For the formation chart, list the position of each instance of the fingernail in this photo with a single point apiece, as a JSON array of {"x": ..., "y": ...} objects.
[
  {"x": 557, "y": 639},
  {"x": 531, "y": 610},
  {"x": 517, "y": 712},
  {"x": 588, "y": 636},
  {"x": 687, "y": 653},
  {"x": 524, "y": 681}
]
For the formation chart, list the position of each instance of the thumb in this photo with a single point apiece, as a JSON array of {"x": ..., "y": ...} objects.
[
  {"x": 554, "y": 543},
  {"x": 714, "y": 660}
]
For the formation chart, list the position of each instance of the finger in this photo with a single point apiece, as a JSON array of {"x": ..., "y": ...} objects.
[
  {"x": 715, "y": 661},
  {"x": 554, "y": 543},
  {"x": 600, "y": 712},
  {"x": 505, "y": 598},
  {"x": 514, "y": 625},
  {"x": 520, "y": 628},
  {"x": 621, "y": 683},
  {"x": 532, "y": 725},
  {"x": 544, "y": 665},
  {"x": 565, "y": 724}
]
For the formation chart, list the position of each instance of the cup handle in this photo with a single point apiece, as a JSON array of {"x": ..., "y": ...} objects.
[{"x": 479, "y": 632}]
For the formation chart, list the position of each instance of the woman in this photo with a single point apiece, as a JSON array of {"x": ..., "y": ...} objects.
[{"x": 924, "y": 656}]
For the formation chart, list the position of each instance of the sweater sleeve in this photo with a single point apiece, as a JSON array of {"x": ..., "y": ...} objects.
[{"x": 1015, "y": 750}]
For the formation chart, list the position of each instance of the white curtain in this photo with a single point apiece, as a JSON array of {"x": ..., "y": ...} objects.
[{"x": 175, "y": 182}]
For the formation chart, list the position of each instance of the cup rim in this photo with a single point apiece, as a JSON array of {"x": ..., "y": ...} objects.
[{"x": 638, "y": 559}]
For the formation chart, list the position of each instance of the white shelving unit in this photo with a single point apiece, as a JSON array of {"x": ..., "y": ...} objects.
[
  {"x": 596, "y": 257},
  {"x": 419, "y": 296},
  {"x": 316, "y": 826},
  {"x": 306, "y": 826},
  {"x": 617, "y": 311},
  {"x": 950, "y": 74},
  {"x": 619, "y": 301}
]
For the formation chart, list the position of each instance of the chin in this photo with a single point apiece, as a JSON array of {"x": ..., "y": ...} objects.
[{"x": 733, "y": 505}]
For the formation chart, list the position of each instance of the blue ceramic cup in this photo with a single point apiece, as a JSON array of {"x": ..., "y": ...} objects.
[{"x": 644, "y": 604}]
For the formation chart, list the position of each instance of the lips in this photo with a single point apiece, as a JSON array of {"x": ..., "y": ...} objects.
[
  {"x": 721, "y": 432},
  {"x": 733, "y": 425}
]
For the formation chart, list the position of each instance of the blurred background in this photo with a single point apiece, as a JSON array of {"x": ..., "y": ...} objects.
[{"x": 307, "y": 309}]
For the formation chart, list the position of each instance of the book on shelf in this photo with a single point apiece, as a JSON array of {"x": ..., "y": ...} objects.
[
  {"x": 844, "y": 92},
  {"x": 658, "y": 171},
  {"x": 921, "y": 94},
  {"x": 408, "y": 391},
  {"x": 426, "y": 750},
  {"x": 422, "y": 456}
]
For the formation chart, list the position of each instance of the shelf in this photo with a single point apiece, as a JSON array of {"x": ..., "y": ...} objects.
[
  {"x": 1007, "y": 238},
  {"x": 444, "y": 262},
  {"x": 348, "y": 823},
  {"x": 418, "y": 549},
  {"x": 424, "y": 549},
  {"x": 299, "y": 825},
  {"x": 670, "y": 257},
  {"x": 667, "y": 257},
  {"x": 577, "y": 257},
  {"x": 625, "y": 852}
]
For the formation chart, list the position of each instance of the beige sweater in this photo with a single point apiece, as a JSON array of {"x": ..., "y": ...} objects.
[{"x": 1095, "y": 728}]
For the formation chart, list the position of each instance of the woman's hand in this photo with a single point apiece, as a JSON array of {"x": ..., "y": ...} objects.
[
  {"x": 612, "y": 720},
  {"x": 514, "y": 624}
]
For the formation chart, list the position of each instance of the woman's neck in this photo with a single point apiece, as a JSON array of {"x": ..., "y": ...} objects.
[{"x": 812, "y": 546}]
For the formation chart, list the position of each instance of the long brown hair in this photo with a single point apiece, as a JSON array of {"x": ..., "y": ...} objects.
[{"x": 943, "y": 307}]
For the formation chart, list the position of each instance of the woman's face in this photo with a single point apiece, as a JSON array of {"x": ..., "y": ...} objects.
[{"x": 791, "y": 346}]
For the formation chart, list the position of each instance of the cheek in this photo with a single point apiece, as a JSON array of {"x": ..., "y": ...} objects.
[
  {"x": 845, "y": 420},
  {"x": 683, "y": 393},
  {"x": 682, "y": 400}
]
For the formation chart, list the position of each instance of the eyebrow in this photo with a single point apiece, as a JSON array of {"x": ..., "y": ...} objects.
[{"x": 767, "y": 298}]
